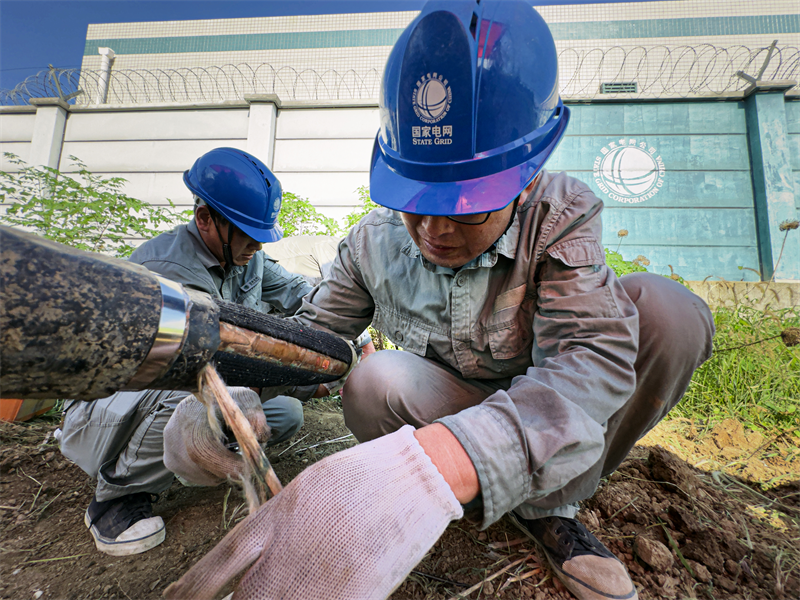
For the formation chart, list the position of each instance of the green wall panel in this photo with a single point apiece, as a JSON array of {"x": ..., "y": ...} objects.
[
  {"x": 797, "y": 191},
  {"x": 695, "y": 263},
  {"x": 793, "y": 116},
  {"x": 246, "y": 42},
  {"x": 661, "y": 118},
  {"x": 794, "y": 150},
  {"x": 679, "y": 152},
  {"x": 702, "y": 220},
  {"x": 688, "y": 189},
  {"x": 731, "y": 227}
]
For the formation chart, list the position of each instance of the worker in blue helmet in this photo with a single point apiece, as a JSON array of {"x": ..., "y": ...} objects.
[
  {"x": 130, "y": 442},
  {"x": 529, "y": 370}
]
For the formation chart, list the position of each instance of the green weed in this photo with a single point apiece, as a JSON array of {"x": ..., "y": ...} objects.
[{"x": 759, "y": 384}]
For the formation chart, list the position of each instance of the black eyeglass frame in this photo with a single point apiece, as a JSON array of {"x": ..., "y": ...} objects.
[
  {"x": 481, "y": 222},
  {"x": 484, "y": 215}
]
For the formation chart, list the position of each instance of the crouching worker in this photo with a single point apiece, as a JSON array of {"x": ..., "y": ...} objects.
[
  {"x": 529, "y": 369},
  {"x": 119, "y": 440}
]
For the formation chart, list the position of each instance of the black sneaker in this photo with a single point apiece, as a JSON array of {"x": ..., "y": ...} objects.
[
  {"x": 586, "y": 567},
  {"x": 125, "y": 525}
]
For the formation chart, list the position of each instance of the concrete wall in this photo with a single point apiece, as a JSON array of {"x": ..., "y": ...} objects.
[
  {"x": 151, "y": 149},
  {"x": 701, "y": 220},
  {"x": 16, "y": 133},
  {"x": 700, "y": 205},
  {"x": 324, "y": 154}
]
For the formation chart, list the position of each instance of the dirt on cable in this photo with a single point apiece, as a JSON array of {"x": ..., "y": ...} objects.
[{"x": 693, "y": 514}]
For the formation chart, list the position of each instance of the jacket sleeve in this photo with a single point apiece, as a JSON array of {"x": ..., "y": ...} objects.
[
  {"x": 548, "y": 427},
  {"x": 341, "y": 304},
  {"x": 282, "y": 289}
]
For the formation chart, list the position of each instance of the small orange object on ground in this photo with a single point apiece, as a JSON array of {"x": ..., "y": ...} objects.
[{"x": 23, "y": 410}]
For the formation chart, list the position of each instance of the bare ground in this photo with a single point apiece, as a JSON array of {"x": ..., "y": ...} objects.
[{"x": 693, "y": 513}]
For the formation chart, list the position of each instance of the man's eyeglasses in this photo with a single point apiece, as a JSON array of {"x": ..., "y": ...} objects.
[{"x": 476, "y": 219}]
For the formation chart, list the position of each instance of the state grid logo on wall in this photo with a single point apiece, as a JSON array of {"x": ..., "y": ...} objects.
[{"x": 629, "y": 172}]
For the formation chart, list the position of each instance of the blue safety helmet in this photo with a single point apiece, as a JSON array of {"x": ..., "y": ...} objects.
[
  {"x": 469, "y": 109},
  {"x": 241, "y": 188}
]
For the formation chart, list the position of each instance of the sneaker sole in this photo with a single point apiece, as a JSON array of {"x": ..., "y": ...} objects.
[
  {"x": 128, "y": 547},
  {"x": 575, "y": 586}
]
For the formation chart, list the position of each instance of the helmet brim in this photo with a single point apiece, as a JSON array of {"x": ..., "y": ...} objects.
[
  {"x": 483, "y": 194},
  {"x": 262, "y": 236}
]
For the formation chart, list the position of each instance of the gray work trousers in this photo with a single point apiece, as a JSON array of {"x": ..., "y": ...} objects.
[
  {"x": 675, "y": 333},
  {"x": 119, "y": 439}
]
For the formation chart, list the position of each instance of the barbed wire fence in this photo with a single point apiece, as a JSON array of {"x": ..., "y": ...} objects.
[{"x": 662, "y": 71}]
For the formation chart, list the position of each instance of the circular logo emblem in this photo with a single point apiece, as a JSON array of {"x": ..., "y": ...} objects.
[
  {"x": 432, "y": 97},
  {"x": 276, "y": 208},
  {"x": 629, "y": 172}
]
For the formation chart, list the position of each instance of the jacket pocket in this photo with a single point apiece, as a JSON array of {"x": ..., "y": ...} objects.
[
  {"x": 510, "y": 327},
  {"x": 579, "y": 252},
  {"x": 401, "y": 330}
]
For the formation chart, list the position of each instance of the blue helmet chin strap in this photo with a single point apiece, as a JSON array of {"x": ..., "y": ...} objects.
[{"x": 227, "y": 254}]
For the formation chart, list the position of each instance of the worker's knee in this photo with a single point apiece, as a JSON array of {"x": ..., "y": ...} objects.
[
  {"x": 672, "y": 319},
  {"x": 373, "y": 392},
  {"x": 284, "y": 417}
]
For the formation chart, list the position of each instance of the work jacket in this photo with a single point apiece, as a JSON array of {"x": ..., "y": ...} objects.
[
  {"x": 181, "y": 255},
  {"x": 539, "y": 311}
]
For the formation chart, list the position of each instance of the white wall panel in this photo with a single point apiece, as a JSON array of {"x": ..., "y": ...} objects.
[
  {"x": 337, "y": 213},
  {"x": 17, "y": 127},
  {"x": 338, "y": 123},
  {"x": 325, "y": 189},
  {"x": 155, "y": 188},
  {"x": 161, "y": 125},
  {"x": 21, "y": 149},
  {"x": 322, "y": 155},
  {"x": 142, "y": 156}
]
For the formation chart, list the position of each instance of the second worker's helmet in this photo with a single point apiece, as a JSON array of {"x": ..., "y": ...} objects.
[
  {"x": 469, "y": 108},
  {"x": 241, "y": 188}
]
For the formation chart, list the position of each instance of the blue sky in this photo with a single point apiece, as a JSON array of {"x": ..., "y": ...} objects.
[{"x": 35, "y": 33}]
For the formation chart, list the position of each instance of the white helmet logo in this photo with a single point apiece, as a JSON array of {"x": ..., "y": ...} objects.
[{"x": 432, "y": 98}]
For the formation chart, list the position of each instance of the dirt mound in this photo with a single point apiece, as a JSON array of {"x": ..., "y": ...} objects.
[{"x": 682, "y": 532}]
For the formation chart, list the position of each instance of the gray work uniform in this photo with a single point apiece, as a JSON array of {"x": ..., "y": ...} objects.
[
  {"x": 534, "y": 355},
  {"x": 119, "y": 439}
]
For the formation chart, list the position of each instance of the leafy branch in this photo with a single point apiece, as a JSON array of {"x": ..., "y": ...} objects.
[{"x": 82, "y": 210}]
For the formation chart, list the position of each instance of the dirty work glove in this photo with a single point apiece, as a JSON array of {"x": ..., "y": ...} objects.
[
  {"x": 195, "y": 452},
  {"x": 351, "y": 526}
]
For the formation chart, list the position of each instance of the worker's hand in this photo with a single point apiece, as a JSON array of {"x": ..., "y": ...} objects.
[
  {"x": 196, "y": 451},
  {"x": 351, "y": 526}
]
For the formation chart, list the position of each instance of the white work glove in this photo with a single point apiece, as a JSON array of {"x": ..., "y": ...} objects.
[
  {"x": 350, "y": 527},
  {"x": 195, "y": 452}
]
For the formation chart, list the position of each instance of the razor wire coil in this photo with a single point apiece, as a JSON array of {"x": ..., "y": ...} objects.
[{"x": 661, "y": 71}]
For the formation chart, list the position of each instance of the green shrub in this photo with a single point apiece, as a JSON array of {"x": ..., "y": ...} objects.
[
  {"x": 367, "y": 205},
  {"x": 299, "y": 217},
  {"x": 621, "y": 267},
  {"x": 84, "y": 210}
]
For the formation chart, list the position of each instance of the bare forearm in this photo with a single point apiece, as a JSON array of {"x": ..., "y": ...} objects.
[{"x": 450, "y": 458}]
